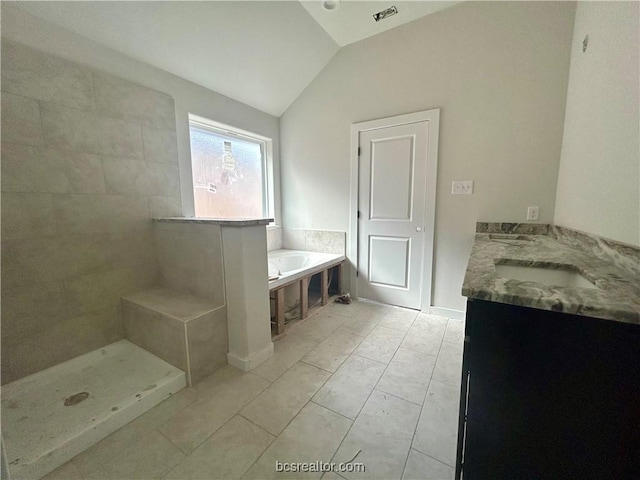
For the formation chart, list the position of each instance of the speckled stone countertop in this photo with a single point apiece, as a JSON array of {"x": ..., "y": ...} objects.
[
  {"x": 614, "y": 268},
  {"x": 225, "y": 222}
]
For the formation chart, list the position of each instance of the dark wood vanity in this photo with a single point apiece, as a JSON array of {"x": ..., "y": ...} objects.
[
  {"x": 550, "y": 384},
  {"x": 548, "y": 395}
]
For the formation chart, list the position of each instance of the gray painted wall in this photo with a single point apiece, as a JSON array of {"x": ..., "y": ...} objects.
[
  {"x": 599, "y": 177},
  {"x": 498, "y": 72}
]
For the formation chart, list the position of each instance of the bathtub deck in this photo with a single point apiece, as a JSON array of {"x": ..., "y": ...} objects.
[
  {"x": 302, "y": 279},
  {"x": 41, "y": 433},
  {"x": 322, "y": 261}
]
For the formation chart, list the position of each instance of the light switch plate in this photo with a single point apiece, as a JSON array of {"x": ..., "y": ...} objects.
[{"x": 462, "y": 187}]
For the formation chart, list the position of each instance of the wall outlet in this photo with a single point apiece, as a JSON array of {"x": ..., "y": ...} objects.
[
  {"x": 462, "y": 187},
  {"x": 533, "y": 213}
]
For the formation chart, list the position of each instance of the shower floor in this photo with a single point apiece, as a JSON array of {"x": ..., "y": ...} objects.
[{"x": 53, "y": 415}]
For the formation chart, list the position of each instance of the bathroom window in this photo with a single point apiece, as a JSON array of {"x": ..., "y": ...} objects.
[{"x": 232, "y": 171}]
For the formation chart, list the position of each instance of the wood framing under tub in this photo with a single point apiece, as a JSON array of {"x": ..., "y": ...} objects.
[{"x": 303, "y": 283}]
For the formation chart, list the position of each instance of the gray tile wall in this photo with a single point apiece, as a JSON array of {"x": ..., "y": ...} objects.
[
  {"x": 87, "y": 160},
  {"x": 321, "y": 241},
  {"x": 190, "y": 259},
  {"x": 274, "y": 238}
]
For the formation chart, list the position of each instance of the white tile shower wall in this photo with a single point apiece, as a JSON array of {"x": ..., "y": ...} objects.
[
  {"x": 321, "y": 241},
  {"x": 87, "y": 160}
]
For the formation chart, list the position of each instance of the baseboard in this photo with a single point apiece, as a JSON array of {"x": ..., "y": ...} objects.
[
  {"x": 249, "y": 363},
  {"x": 447, "y": 312}
]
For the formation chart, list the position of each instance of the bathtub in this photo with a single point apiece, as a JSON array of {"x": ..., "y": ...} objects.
[{"x": 286, "y": 266}]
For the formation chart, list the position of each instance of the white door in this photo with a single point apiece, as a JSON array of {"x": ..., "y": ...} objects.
[{"x": 392, "y": 204}]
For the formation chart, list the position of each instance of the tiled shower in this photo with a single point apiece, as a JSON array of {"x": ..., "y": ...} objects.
[{"x": 88, "y": 159}]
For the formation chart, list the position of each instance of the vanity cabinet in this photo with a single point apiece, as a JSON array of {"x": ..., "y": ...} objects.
[{"x": 548, "y": 395}]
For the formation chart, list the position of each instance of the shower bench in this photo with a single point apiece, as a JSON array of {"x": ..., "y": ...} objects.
[
  {"x": 303, "y": 283},
  {"x": 186, "y": 331}
]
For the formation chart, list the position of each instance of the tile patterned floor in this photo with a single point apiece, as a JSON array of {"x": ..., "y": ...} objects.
[{"x": 368, "y": 378}]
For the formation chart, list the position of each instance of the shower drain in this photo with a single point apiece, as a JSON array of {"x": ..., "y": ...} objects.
[{"x": 76, "y": 399}]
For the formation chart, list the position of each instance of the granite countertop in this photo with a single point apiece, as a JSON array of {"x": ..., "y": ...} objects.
[
  {"x": 615, "y": 273},
  {"x": 225, "y": 222}
]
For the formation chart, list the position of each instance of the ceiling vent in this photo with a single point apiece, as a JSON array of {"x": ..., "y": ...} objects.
[{"x": 385, "y": 13}]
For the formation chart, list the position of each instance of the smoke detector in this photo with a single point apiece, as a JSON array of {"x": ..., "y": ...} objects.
[
  {"x": 384, "y": 13},
  {"x": 331, "y": 4}
]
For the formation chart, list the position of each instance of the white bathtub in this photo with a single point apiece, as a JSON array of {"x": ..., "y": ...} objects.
[{"x": 289, "y": 265}]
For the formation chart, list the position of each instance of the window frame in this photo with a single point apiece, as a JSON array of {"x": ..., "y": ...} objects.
[{"x": 266, "y": 150}]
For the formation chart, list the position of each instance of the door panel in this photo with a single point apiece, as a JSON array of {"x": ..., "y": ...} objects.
[
  {"x": 391, "y": 178},
  {"x": 392, "y": 192},
  {"x": 389, "y": 261}
]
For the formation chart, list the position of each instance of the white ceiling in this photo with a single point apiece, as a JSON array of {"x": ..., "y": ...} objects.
[
  {"x": 353, "y": 20},
  {"x": 261, "y": 53}
]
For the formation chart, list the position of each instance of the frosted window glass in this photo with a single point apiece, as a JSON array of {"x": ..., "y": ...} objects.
[{"x": 228, "y": 177}]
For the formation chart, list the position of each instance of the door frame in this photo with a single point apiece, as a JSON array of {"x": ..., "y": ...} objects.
[{"x": 433, "y": 117}]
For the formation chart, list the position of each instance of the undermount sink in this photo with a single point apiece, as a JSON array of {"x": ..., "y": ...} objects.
[
  {"x": 545, "y": 276},
  {"x": 504, "y": 236}
]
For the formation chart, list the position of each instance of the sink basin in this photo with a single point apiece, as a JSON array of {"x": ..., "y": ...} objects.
[
  {"x": 545, "y": 276},
  {"x": 504, "y": 236}
]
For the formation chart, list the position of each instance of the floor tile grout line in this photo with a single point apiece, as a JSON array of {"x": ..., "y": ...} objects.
[
  {"x": 347, "y": 355},
  {"x": 308, "y": 339},
  {"x": 212, "y": 433},
  {"x": 316, "y": 366},
  {"x": 404, "y": 466},
  {"x": 187, "y": 455},
  {"x": 275, "y": 437},
  {"x": 289, "y": 368},
  {"x": 254, "y": 423},
  {"x": 369, "y": 396},
  {"x": 387, "y": 365},
  {"x": 387, "y": 328},
  {"x": 354, "y": 354},
  {"x": 331, "y": 410},
  {"x": 287, "y": 425},
  {"x": 178, "y": 447},
  {"x": 425, "y": 400},
  {"x": 364, "y": 358},
  {"x": 205, "y": 400},
  {"x": 433, "y": 458},
  {"x": 306, "y": 403},
  {"x": 143, "y": 435},
  {"x": 304, "y": 321},
  {"x": 319, "y": 342},
  {"x": 311, "y": 401},
  {"x": 399, "y": 398}
]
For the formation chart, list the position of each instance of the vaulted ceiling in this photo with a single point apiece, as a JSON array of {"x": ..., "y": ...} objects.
[
  {"x": 261, "y": 53},
  {"x": 350, "y": 21}
]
